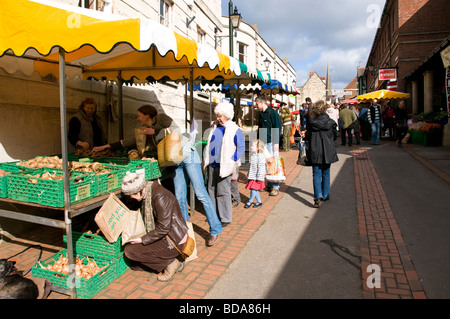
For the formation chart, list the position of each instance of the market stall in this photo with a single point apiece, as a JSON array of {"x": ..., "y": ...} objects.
[
  {"x": 383, "y": 95},
  {"x": 66, "y": 41}
]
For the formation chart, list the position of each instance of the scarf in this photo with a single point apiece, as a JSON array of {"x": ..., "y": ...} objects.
[{"x": 147, "y": 208}]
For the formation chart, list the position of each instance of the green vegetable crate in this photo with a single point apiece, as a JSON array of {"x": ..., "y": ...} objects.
[
  {"x": 109, "y": 182},
  {"x": 8, "y": 168},
  {"x": 149, "y": 168},
  {"x": 87, "y": 243},
  {"x": 85, "y": 288},
  {"x": 29, "y": 188}
]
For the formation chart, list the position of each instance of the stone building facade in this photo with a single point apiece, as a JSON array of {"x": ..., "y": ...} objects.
[{"x": 314, "y": 87}]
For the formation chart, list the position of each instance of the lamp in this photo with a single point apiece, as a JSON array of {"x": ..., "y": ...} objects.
[
  {"x": 267, "y": 63},
  {"x": 235, "y": 18}
]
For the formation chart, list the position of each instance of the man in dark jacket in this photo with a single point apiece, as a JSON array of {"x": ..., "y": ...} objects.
[
  {"x": 321, "y": 132},
  {"x": 269, "y": 131},
  {"x": 162, "y": 217}
]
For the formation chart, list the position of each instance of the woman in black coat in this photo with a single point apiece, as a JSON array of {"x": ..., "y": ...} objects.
[
  {"x": 401, "y": 122},
  {"x": 321, "y": 132}
]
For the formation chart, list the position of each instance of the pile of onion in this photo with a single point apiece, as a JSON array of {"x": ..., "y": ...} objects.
[{"x": 82, "y": 270}]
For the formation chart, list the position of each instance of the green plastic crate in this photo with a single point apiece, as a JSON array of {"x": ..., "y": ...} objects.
[
  {"x": 112, "y": 181},
  {"x": 149, "y": 168},
  {"x": 418, "y": 137},
  {"x": 83, "y": 186},
  {"x": 98, "y": 245},
  {"x": 85, "y": 288},
  {"x": 95, "y": 244},
  {"x": 9, "y": 167}
]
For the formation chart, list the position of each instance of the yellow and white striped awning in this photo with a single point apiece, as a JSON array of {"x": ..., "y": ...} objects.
[{"x": 102, "y": 46}]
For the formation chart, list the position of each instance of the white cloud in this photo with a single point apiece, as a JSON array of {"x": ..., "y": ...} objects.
[{"x": 312, "y": 33}]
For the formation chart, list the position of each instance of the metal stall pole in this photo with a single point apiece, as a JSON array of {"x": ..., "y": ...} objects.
[
  {"x": 210, "y": 109},
  {"x": 253, "y": 106},
  {"x": 67, "y": 217},
  {"x": 120, "y": 97},
  {"x": 191, "y": 120},
  {"x": 186, "y": 105}
]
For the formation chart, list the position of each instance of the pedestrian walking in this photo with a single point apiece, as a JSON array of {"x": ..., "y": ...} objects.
[
  {"x": 364, "y": 124},
  {"x": 355, "y": 124},
  {"x": 224, "y": 148},
  {"x": 256, "y": 173},
  {"x": 321, "y": 133},
  {"x": 388, "y": 117},
  {"x": 285, "y": 116},
  {"x": 374, "y": 119},
  {"x": 333, "y": 113},
  {"x": 269, "y": 132},
  {"x": 348, "y": 118},
  {"x": 401, "y": 122}
]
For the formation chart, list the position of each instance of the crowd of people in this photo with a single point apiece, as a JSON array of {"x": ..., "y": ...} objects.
[{"x": 165, "y": 213}]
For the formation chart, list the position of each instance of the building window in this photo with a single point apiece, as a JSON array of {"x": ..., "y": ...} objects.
[
  {"x": 165, "y": 9},
  {"x": 201, "y": 36},
  {"x": 242, "y": 54},
  {"x": 99, "y": 5}
]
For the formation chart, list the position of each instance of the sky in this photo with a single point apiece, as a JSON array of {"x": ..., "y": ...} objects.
[{"x": 315, "y": 33}]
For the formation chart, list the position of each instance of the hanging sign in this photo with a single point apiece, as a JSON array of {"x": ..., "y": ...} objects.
[{"x": 387, "y": 74}]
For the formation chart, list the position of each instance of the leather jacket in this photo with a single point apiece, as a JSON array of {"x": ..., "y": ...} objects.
[{"x": 168, "y": 218}]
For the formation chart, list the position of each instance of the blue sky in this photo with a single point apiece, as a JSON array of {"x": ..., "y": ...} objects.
[{"x": 314, "y": 33}]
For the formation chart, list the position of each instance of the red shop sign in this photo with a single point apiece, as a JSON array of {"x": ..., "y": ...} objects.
[{"x": 387, "y": 74}]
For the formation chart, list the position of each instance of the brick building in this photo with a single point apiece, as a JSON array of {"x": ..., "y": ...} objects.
[{"x": 408, "y": 31}]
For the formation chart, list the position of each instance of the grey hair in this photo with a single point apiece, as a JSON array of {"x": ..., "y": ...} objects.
[{"x": 226, "y": 109}]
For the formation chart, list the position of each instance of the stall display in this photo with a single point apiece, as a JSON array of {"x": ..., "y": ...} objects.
[
  {"x": 40, "y": 179},
  {"x": 92, "y": 273},
  {"x": 426, "y": 134}
]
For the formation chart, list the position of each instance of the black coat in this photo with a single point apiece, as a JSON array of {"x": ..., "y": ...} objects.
[{"x": 321, "y": 133}]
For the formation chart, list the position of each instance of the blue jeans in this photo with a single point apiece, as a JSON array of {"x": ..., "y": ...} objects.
[
  {"x": 376, "y": 132},
  {"x": 254, "y": 194},
  {"x": 321, "y": 181},
  {"x": 190, "y": 169}
]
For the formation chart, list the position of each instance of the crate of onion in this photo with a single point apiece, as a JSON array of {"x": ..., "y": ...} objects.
[
  {"x": 96, "y": 244},
  {"x": 45, "y": 186},
  {"x": 92, "y": 273},
  {"x": 108, "y": 176}
]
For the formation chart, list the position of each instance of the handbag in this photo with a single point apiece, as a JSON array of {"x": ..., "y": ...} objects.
[
  {"x": 302, "y": 155},
  {"x": 169, "y": 149},
  {"x": 188, "y": 248}
]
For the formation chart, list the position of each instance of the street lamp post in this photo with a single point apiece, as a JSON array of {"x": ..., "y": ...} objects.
[
  {"x": 234, "y": 19},
  {"x": 267, "y": 63}
]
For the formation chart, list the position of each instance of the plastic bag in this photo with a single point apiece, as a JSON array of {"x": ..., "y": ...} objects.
[{"x": 275, "y": 169}]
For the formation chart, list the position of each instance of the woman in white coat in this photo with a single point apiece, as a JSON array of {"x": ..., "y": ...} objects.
[{"x": 223, "y": 150}]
